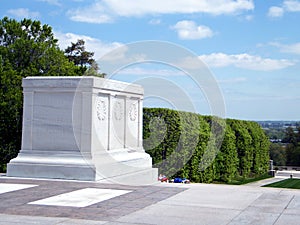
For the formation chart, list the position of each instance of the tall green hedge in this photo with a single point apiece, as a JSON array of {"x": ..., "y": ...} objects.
[
  {"x": 204, "y": 148},
  {"x": 170, "y": 138}
]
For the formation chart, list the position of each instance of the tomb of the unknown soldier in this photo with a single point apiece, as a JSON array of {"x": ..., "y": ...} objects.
[{"x": 82, "y": 128}]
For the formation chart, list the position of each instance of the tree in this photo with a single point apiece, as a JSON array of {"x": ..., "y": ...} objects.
[
  {"x": 227, "y": 159},
  {"x": 260, "y": 143},
  {"x": 77, "y": 54},
  {"x": 27, "y": 48},
  {"x": 244, "y": 146},
  {"x": 93, "y": 71},
  {"x": 10, "y": 113},
  {"x": 292, "y": 155},
  {"x": 292, "y": 140},
  {"x": 298, "y": 134},
  {"x": 290, "y": 136},
  {"x": 278, "y": 154}
]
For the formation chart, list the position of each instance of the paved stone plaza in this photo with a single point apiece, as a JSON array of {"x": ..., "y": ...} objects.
[{"x": 26, "y": 201}]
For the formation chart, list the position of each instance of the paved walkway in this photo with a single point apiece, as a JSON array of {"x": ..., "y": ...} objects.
[
  {"x": 26, "y": 201},
  {"x": 261, "y": 183},
  {"x": 288, "y": 173}
]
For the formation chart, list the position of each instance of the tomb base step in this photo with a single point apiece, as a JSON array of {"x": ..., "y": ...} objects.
[
  {"x": 127, "y": 167},
  {"x": 51, "y": 171},
  {"x": 138, "y": 177}
]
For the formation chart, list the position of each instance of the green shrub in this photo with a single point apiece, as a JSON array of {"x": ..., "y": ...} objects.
[{"x": 204, "y": 148}]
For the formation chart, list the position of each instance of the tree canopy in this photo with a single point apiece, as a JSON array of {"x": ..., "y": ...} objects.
[
  {"x": 287, "y": 151},
  {"x": 292, "y": 141},
  {"x": 27, "y": 48},
  {"x": 31, "y": 49},
  {"x": 77, "y": 54}
]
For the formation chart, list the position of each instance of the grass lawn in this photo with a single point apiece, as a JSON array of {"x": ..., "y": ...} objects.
[
  {"x": 241, "y": 181},
  {"x": 288, "y": 183}
]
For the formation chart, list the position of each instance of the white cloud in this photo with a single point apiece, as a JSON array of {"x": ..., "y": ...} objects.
[
  {"x": 189, "y": 30},
  {"x": 142, "y": 7},
  {"x": 92, "y": 44},
  {"x": 190, "y": 63},
  {"x": 246, "y": 61},
  {"x": 140, "y": 71},
  {"x": 233, "y": 80},
  {"x": 90, "y": 14},
  {"x": 249, "y": 17},
  {"x": 275, "y": 11},
  {"x": 103, "y": 11},
  {"x": 292, "y": 5},
  {"x": 23, "y": 13},
  {"x": 292, "y": 48},
  {"x": 51, "y": 2},
  {"x": 287, "y": 6},
  {"x": 155, "y": 22}
]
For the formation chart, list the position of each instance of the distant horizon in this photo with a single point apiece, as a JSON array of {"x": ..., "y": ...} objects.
[
  {"x": 278, "y": 120},
  {"x": 260, "y": 120}
]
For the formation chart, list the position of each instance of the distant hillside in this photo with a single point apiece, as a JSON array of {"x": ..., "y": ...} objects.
[
  {"x": 275, "y": 130},
  {"x": 278, "y": 124}
]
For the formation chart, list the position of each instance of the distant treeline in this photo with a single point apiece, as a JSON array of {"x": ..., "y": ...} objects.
[
  {"x": 204, "y": 148},
  {"x": 287, "y": 151}
]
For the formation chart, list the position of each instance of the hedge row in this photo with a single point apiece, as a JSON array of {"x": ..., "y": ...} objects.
[{"x": 204, "y": 148}]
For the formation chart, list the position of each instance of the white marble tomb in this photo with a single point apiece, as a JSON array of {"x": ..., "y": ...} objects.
[{"x": 82, "y": 128}]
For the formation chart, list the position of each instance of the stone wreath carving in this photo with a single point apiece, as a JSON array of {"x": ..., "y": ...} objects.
[
  {"x": 133, "y": 112},
  {"x": 101, "y": 109},
  {"x": 118, "y": 111}
]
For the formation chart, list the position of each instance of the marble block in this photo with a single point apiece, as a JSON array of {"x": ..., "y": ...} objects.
[{"x": 82, "y": 128}]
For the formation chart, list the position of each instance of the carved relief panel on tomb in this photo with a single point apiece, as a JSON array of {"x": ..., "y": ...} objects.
[{"x": 101, "y": 108}]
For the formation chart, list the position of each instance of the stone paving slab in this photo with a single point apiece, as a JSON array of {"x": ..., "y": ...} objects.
[
  {"x": 221, "y": 204},
  {"x": 13, "y": 187},
  {"x": 181, "y": 214},
  {"x": 288, "y": 173},
  {"x": 159, "y": 204},
  {"x": 16, "y": 202},
  {"x": 288, "y": 219},
  {"x": 81, "y": 198},
  {"x": 215, "y": 196},
  {"x": 255, "y": 218},
  {"x": 266, "y": 181},
  {"x": 38, "y": 220}
]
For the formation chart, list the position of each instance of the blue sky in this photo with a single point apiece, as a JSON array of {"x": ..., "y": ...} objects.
[{"x": 252, "y": 48}]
